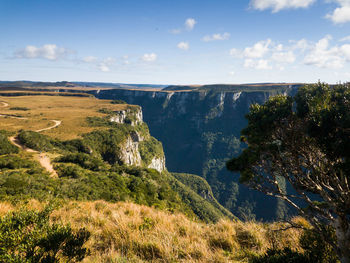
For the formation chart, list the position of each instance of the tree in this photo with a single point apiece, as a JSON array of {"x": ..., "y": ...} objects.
[{"x": 304, "y": 139}]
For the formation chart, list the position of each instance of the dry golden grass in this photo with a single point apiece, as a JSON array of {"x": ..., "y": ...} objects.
[
  {"x": 72, "y": 111},
  {"x": 126, "y": 232}
]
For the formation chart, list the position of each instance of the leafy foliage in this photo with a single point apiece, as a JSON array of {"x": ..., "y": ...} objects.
[
  {"x": 28, "y": 236},
  {"x": 20, "y": 108},
  {"x": 118, "y": 102},
  {"x": 36, "y": 141},
  {"x": 203, "y": 205},
  {"x": 5, "y": 146},
  {"x": 285, "y": 255},
  {"x": 149, "y": 149},
  {"x": 304, "y": 140}
]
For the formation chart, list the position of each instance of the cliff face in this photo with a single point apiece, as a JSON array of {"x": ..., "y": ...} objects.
[
  {"x": 131, "y": 153},
  {"x": 200, "y": 131},
  {"x": 127, "y": 116}
]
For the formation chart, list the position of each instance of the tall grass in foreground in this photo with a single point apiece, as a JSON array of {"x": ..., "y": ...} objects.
[{"x": 126, "y": 232}]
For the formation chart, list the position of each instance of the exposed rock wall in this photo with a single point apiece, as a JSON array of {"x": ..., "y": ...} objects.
[
  {"x": 158, "y": 163},
  {"x": 130, "y": 154},
  {"x": 130, "y": 151},
  {"x": 129, "y": 116},
  {"x": 200, "y": 131}
]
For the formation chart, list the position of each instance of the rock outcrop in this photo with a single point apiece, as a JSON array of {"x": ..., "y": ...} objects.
[
  {"x": 130, "y": 149},
  {"x": 158, "y": 163},
  {"x": 129, "y": 116},
  {"x": 130, "y": 154}
]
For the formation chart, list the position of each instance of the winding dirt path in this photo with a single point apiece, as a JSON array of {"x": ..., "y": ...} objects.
[
  {"x": 4, "y": 104},
  {"x": 57, "y": 123},
  {"x": 43, "y": 159}
]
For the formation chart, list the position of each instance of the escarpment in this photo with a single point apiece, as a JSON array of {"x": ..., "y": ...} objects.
[{"x": 200, "y": 131}]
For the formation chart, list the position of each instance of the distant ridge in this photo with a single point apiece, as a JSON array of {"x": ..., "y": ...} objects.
[{"x": 72, "y": 86}]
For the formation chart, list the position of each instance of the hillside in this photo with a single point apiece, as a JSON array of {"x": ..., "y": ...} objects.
[
  {"x": 80, "y": 148},
  {"x": 127, "y": 232}
]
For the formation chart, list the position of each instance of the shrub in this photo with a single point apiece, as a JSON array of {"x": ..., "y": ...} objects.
[
  {"x": 19, "y": 108},
  {"x": 5, "y": 146},
  {"x": 149, "y": 149},
  {"x": 27, "y": 236},
  {"x": 317, "y": 250},
  {"x": 281, "y": 256},
  {"x": 118, "y": 102},
  {"x": 15, "y": 162},
  {"x": 84, "y": 160},
  {"x": 36, "y": 141}
]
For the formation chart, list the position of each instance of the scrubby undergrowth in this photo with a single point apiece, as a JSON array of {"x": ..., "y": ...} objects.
[{"x": 127, "y": 232}]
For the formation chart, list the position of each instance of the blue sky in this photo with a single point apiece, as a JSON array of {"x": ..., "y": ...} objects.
[{"x": 175, "y": 42}]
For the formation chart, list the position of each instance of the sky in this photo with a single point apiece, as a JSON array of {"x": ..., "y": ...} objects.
[{"x": 175, "y": 41}]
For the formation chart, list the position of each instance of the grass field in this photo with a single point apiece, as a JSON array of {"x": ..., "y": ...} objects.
[{"x": 42, "y": 110}]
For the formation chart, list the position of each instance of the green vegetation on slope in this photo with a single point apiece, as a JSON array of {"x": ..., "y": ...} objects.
[
  {"x": 5, "y": 146},
  {"x": 196, "y": 184},
  {"x": 90, "y": 168},
  {"x": 27, "y": 236}
]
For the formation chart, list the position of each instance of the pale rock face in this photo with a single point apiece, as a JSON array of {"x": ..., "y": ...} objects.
[
  {"x": 158, "y": 164},
  {"x": 123, "y": 115},
  {"x": 130, "y": 154}
]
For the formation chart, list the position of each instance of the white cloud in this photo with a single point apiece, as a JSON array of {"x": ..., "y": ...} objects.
[
  {"x": 283, "y": 57},
  {"x": 324, "y": 56},
  {"x": 190, "y": 23},
  {"x": 106, "y": 64},
  {"x": 48, "y": 51},
  {"x": 345, "y": 51},
  {"x": 345, "y": 39},
  {"x": 149, "y": 57},
  {"x": 234, "y": 52},
  {"x": 341, "y": 14},
  {"x": 278, "y": 5},
  {"x": 257, "y": 64},
  {"x": 183, "y": 45},
  {"x": 301, "y": 44},
  {"x": 258, "y": 50},
  {"x": 103, "y": 67},
  {"x": 90, "y": 59},
  {"x": 215, "y": 37},
  {"x": 232, "y": 73}
]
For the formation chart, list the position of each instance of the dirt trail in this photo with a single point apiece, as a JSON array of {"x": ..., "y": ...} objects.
[
  {"x": 45, "y": 162},
  {"x": 4, "y": 104},
  {"x": 43, "y": 159},
  {"x": 57, "y": 123}
]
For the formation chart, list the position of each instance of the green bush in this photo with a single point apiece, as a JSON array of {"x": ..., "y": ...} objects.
[
  {"x": 118, "y": 102},
  {"x": 5, "y": 146},
  {"x": 36, "y": 141},
  {"x": 15, "y": 162},
  {"x": 317, "y": 250},
  {"x": 281, "y": 256},
  {"x": 28, "y": 236},
  {"x": 19, "y": 108},
  {"x": 149, "y": 149},
  {"x": 84, "y": 160}
]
